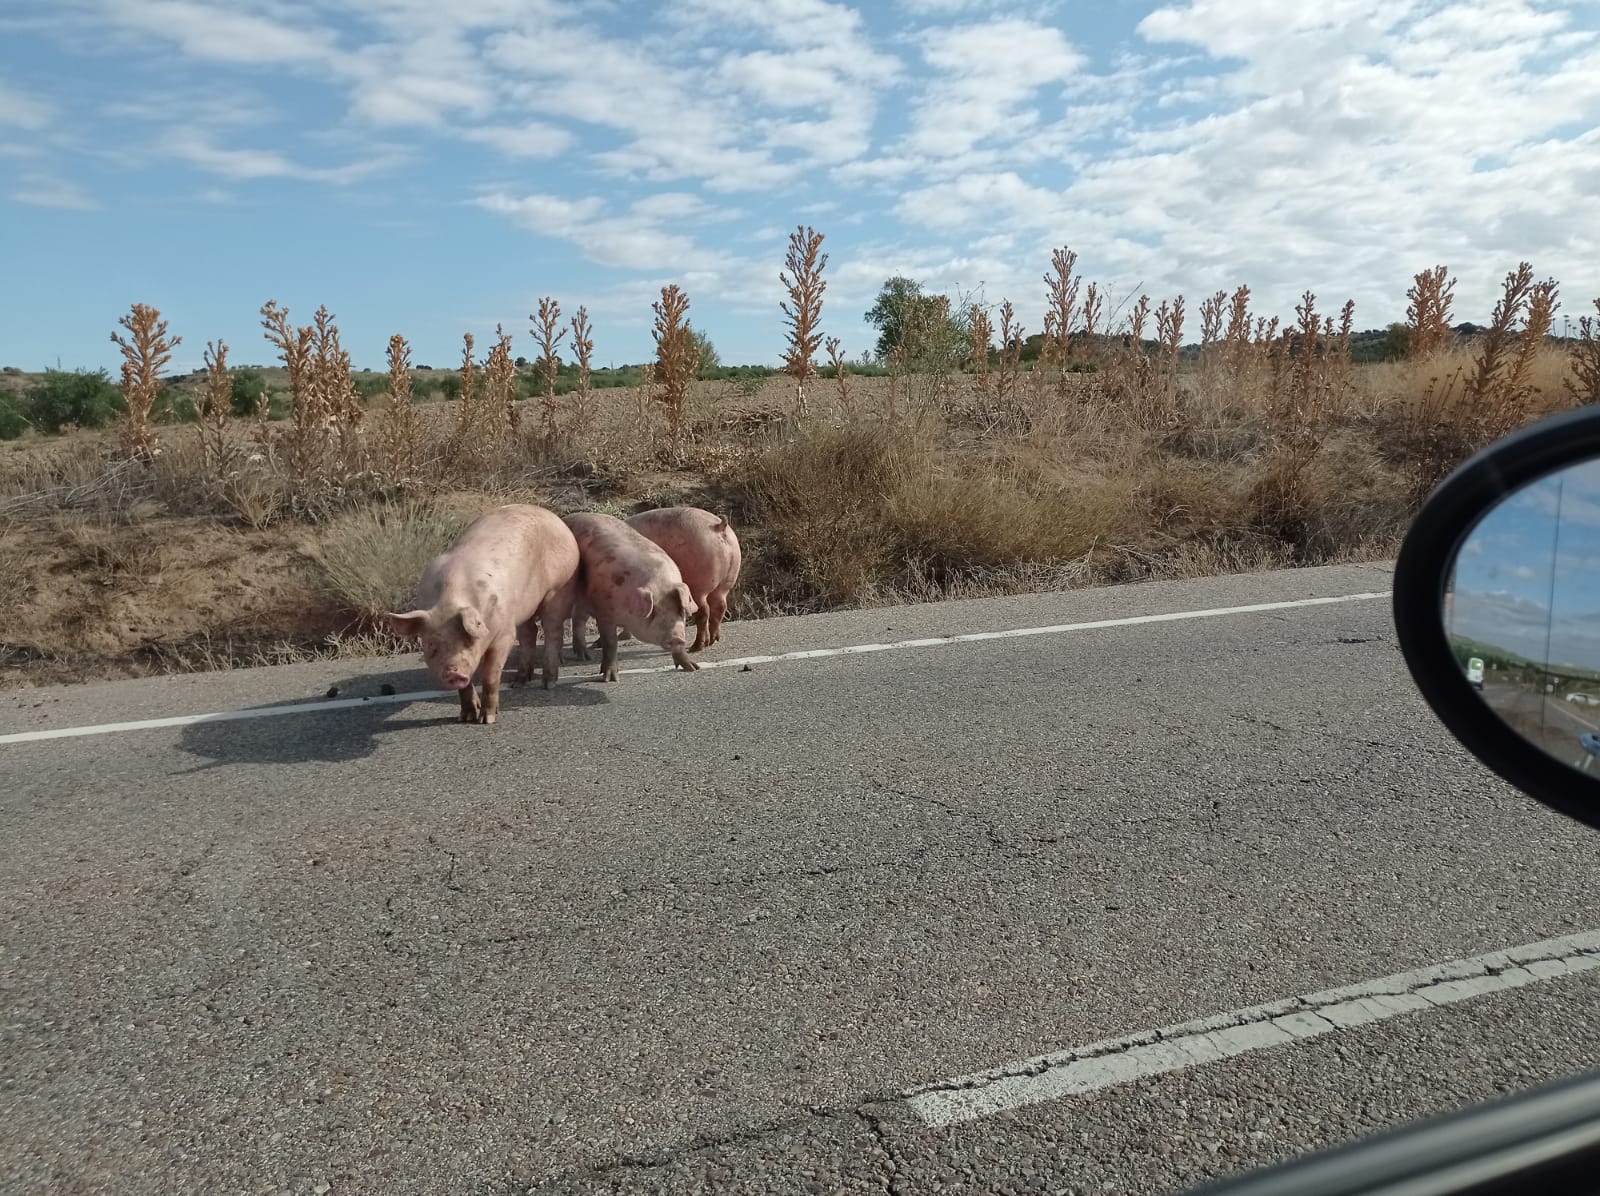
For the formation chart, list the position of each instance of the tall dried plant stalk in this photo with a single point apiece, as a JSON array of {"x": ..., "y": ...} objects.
[
  {"x": 294, "y": 348},
  {"x": 1136, "y": 320},
  {"x": 402, "y": 440},
  {"x": 677, "y": 358},
  {"x": 1093, "y": 306},
  {"x": 1497, "y": 390},
  {"x": 583, "y": 350},
  {"x": 1169, "y": 329},
  {"x": 1010, "y": 352},
  {"x": 143, "y": 358},
  {"x": 1584, "y": 385},
  {"x": 216, "y": 403},
  {"x": 980, "y": 331},
  {"x": 802, "y": 311},
  {"x": 308, "y": 438},
  {"x": 841, "y": 374},
  {"x": 330, "y": 368},
  {"x": 1061, "y": 311},
  {"x": 1307, "y": 327},
  {"x": 500, "y": 385},
  {"x": 1428, "y": 311},
  {"x": 1236, "y": 336},
  {"x": 468, "y": 437},
  {"x": 1211, "y": 311},
  {"x": 1542, "y": 307},
  {"x": 548, "y": 334}
]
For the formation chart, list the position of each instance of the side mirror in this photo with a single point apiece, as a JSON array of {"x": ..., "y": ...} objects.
[{"x": 1497, "y": 609}]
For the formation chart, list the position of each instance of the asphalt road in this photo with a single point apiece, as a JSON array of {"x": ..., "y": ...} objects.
[
  {"x": 702, "y": 932},
  {"x": 1551, "y": 722}
]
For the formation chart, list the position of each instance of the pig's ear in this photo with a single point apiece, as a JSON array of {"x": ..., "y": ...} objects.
[
  {"x": 641, "y": 603},
  {"x": 472, "y": 623},
  {"x": 408, "y": 626},
  {"x": 686, "y": 600}
]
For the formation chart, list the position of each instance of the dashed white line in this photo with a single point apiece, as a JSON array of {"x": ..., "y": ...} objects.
[
  {"x": 1115, "y": 1061},
  {"x": 185, "y": 720}
]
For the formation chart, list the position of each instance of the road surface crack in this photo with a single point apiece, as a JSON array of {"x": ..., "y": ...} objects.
[{"x": 865, "y": 1115}]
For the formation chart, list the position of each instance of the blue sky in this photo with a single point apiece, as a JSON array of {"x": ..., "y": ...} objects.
[
  {"x": 432, "y": 167},
  {"x": 1537, "y": 553}
]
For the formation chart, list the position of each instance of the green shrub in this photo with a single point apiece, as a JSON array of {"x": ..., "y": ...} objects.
[
  {"x": 80, "y": 398},
  {"x": 174, "y": 406},
  {"x": 13, "y": 422},
  {"x": 247, "y": 387}
]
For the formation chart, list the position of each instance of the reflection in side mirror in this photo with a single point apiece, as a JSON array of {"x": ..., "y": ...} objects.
[{"x": 1522, "y": 613}]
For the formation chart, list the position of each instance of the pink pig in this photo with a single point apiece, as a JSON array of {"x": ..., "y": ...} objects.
[
  {"x": 706, "y": 551},
  {"x": 514, "y": 569},
  {"x": 627, "y": 582}
]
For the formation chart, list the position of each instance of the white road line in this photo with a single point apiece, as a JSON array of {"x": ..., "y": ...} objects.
[
  {"x": 1115, "y": 1061},
  {"x": 185, "y": 720}
]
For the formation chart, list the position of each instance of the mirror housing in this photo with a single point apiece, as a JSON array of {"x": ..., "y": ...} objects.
[{"x": 1423, "y": 577}]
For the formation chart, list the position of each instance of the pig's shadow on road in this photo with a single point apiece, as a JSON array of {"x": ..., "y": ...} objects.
[{"x": 348, "y": 733}]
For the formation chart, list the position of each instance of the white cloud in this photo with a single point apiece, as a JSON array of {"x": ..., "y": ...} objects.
[
  {"x": 222, "y": 34},
  {"x": 985, "y": 75},
  {"x": 21, "y": 111},
  {"x": 47, "y": 191},
  {"x": 647, "y": 236},
  {"x": 245, "y": 165},
  {"x": 534, "y": 139}
]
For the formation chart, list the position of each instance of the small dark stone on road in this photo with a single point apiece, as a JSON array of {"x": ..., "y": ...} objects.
[
  {"x": 747, "y": 669},
  {"x": 386, "y": 690},
  {"x": 333, "y": 691}
]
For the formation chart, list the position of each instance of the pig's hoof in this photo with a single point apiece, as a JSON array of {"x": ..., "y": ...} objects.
[{"x": 487, "y": 719}]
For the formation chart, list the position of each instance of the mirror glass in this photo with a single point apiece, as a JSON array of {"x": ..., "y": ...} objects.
[{"x": 1522, "y": 612}]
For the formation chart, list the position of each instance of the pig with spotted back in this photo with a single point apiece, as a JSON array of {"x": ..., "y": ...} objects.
[
  {"x": 628, "y": 582},
  {"x": 513, "y": 570},
  {"x": 706, "y": 551}
]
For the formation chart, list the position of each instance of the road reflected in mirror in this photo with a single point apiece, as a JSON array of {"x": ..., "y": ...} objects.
[{"x": 1522, "y": 613}]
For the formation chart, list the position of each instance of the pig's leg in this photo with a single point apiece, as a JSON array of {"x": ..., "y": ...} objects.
[
  {"x": 608, "y": 646},
  {"x": 717, "y": 601},
  {"x": 469, "y": 704},
  {"x": 580, "y": 619},
  {"x": 702, "y": 625},
  {"x": 494, "y": 661},
  {"x": 680, "y": 658},
  {"x": 528, "y": 637},
  {"x": 551, "y": 617}
]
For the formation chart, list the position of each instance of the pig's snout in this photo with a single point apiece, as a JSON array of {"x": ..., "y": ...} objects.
[
  {"x": 675, "y": 642},
  {"x": 454, "y": 680}
]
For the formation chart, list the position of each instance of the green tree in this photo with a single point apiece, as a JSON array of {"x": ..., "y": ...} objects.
[
  {"x": 710, "y": 362},
  {"x": 918, "y": 325}
]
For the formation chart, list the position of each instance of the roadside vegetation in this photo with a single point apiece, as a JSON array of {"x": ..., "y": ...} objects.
[{"x": 264, "y": 513}]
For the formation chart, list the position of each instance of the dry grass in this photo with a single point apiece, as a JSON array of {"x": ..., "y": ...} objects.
[
  {"x": 368, "y": 561},
  {"x": 243, "y": 541}
]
